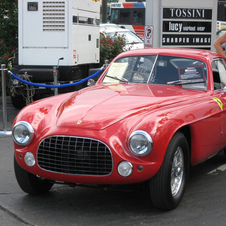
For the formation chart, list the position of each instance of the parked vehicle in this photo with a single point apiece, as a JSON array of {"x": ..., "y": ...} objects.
[
  {"x": 133, "y": 41},
  {"x": 151, "y": 115},
  {"x": 55, "y": 34},
  {"x": 106, "y": 26},
  {"x": 129, "y": 15}
]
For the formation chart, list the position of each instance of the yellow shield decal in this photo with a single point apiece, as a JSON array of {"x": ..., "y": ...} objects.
[
  {"x": 219, "y": 102},
  {"x": 79, "y": 122}
]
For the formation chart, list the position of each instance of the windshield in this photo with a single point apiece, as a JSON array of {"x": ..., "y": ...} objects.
[
  {"x": 158, "y": 69},
  {"x": 128, "y": 35}
]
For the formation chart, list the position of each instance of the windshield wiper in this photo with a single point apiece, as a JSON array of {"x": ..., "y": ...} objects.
[
  {"x": 119, "y": 79},
  {"x": 184, "y": 82}
]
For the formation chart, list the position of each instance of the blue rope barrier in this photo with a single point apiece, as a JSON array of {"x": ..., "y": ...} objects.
[{"x": 55, "y": 86}]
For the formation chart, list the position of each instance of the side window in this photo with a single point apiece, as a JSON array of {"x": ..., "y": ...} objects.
[{"x": 219, "y": 74}]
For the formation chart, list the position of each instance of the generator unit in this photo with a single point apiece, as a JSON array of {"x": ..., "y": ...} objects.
[{"x": 61, "y": 33}]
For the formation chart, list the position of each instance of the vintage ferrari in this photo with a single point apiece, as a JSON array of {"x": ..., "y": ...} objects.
[{"x": 151, "y": 115}]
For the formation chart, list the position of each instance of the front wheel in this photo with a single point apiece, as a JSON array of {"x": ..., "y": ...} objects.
[
  {"x": 30, "y": 183},
  {"x": 168, "y": 185}
]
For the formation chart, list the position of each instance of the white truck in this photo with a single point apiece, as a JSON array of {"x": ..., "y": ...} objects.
[{"x": 61, "y": 33}]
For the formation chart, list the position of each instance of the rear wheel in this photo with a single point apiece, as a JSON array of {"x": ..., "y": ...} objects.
[
  {"x": 168, "y": 186},
  {"x": 30, "y": 183}
]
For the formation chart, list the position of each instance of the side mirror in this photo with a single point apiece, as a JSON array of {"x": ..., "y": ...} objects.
[
  {"x": 91, "y": 82},
  {"x": 224, "y": 90}
]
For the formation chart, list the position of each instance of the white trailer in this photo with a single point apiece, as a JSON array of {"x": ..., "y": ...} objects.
[{"x": 62, "y": 33}]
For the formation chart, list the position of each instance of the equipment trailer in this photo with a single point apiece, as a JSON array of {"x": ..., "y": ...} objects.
[{"x": 55, "y": 33}]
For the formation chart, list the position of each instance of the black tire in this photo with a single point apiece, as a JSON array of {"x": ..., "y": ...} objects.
[
  {"x": 18, "y": 101},
  {"x": 161, "y": 190},
  {"x": 30, "y": 183}
]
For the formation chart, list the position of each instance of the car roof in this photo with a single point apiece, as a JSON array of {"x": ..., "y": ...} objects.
[
  {"x": 113, "y": 29},
  {"x": 182, "y": 52},
  {"x": 108, "y": 27}
]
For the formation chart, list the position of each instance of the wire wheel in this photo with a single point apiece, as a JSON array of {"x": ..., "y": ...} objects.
[{"x": 177, "y": 171}]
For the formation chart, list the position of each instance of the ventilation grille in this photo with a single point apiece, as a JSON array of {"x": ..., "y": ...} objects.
[{"x": 54, "y": 16}]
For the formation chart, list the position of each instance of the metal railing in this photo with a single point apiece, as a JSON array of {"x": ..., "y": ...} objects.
[
  {"x": 55, "y": 87},
  {"x": 4, "y": 109}
]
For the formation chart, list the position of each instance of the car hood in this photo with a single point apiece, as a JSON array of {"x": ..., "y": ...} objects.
[{"x": 101, "y": 106}]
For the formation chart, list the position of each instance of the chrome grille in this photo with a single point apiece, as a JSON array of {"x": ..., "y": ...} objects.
[{"x": 74, "y": 155}]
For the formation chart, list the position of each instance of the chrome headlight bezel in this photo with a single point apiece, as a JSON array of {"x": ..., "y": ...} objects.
[
  {"x": 140, "y": 143},
  {"x": 22, "y": 133}
]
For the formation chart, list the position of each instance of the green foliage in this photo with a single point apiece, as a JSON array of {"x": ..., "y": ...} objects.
[
  {"x": 8, "y": 29},
  {"x": 110, "y": 47},
  {"x": 8, "y": 33}
]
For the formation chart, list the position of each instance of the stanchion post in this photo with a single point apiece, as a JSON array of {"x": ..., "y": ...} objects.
[
  {"x": 4, "y": 109},
  {"x": 55, "y": 75},
  {"x": 106, "y": 63}
]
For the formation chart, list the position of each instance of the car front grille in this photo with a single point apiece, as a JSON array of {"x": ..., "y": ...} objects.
[{"x": 75, "y": 156}]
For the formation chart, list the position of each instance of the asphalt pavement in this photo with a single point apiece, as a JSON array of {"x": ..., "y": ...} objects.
[{"x": 204, "y": 202}]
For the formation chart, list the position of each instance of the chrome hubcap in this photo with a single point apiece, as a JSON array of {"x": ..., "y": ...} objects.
[{"x": 177, "y": 171}]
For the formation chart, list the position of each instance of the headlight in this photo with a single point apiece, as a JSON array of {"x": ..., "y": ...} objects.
[
  {"x": 140, "y": 143},
  {"x": 22, "y": 133}
]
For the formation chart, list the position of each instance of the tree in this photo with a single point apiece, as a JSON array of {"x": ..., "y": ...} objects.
[
  {"x": 8, "y": 28},
  {"x": 104, "y": 11},
  {"x": 8, "y": 32},
  {"x": 110, "y": 47}
]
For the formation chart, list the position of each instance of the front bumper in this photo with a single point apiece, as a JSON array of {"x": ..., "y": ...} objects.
[{"x": 84, "y": 160}]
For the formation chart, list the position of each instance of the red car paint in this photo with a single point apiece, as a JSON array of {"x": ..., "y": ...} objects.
[{"x": 111, "y": 112}]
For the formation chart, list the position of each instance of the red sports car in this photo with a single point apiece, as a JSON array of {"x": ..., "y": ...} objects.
[{"x": 151, "y": 114}]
